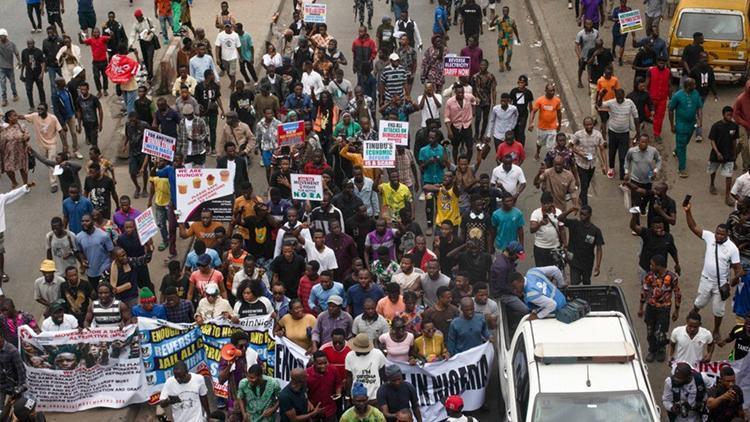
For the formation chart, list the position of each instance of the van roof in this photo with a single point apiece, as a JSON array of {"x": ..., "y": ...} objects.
[{"x": 742, "y": 5}]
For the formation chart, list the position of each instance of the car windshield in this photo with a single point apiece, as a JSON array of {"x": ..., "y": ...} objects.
[
  {"x": 714, "y": 26},
  {"x": 620, "y": 406}
]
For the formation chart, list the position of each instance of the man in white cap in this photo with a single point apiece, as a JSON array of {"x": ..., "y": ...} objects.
[
  {"x": 365, "y": 365},
  {"x": 212, "y": 306},
  {"x": 7, "y": 51},
  {"x": 329, "y": 320},
  {"x": 393, "y": 80}
]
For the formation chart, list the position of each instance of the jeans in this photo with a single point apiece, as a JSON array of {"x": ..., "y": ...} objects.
[
  {"x": 585, "y": 175},
  {"x": 129, "y": 98},
  {"x": 160, "y": 215},
  {"x": 39, "y": 82},
  {"x": 657, "y": 328},
  {"x": 91, "y": 130},
  {"x": 618, "y": 145},
  {"x": 52, "y": 74},
  {"x": 32, "y": 9},
  {"x": 147, "y": 49},
  {"x": 212, "y": 120},
  {"x": 481, "y": 118},
  {"x": 5, "y": 75},
  {"x": 166, "y": 22},
  {"x": 98, "y": 72},
  {"x": 580, "y": 276},
  {"x": 681, "y": 141},
  {"x": 462, "y": 136}
]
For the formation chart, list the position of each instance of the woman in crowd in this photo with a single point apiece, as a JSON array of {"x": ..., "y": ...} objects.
[{"x": 14, "y": 144}]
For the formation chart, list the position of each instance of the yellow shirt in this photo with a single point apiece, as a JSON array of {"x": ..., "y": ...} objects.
[
  {"x": 396, "y": 199},
  {"x": 296, "y": 330},
  {"x": 161, "y": 190},
  {"x": 249, "y": 211},
  {"x": 447, "y": 207},
  {"x": 430, "y": 348}
]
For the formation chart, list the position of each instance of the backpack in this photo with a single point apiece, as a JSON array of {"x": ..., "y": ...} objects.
[{"x": 700, "y": 394}]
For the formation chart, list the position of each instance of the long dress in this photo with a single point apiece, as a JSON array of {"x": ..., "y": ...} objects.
[{"x": 13, "y": 142}]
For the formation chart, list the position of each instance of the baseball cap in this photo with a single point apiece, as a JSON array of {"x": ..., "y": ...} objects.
[
  {"x": 393, "y": 56},
  {"x": 336, "y": 300},
  {"x": 454, "y": 403},
  {"x": 517, "y": 249},
  {"x": 204, "y": 259},
  {"x": 3, "y": 31},
  {"x": 138, "y": 13}
]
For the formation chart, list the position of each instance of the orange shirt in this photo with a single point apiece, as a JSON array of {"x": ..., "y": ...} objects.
[
  {"x": 610, "y": 85},
  {"x": 547, "y": 109},
  {"x": 388, "y": 309},
  {"x": 206, "y": 234}
]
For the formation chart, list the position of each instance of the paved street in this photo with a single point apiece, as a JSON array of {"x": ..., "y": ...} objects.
[{"x": 28, "y": 218}]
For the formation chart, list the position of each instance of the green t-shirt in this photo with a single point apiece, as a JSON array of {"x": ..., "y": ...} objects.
[
  {"x": 373, "y": 415},
  {"x": 258, "y": 399},
  {"x": 685, "y": 106},
  {"x": 433, "y": 172}
]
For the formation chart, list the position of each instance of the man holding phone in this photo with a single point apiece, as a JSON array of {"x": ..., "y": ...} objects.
[{"x": 187, "y": 394}]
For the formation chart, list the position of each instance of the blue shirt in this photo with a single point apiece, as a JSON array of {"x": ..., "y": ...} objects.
[
  {"x": 96, "y": 247},
  {"x": 319, "y": 296},
  {"x": 356, "y": 297},
  {"x": 685, "y": 107},
  {"x": 191, "y": 261},
  {"x": 441, "y": 16},
  {"x": 199, "y": 65},
  {"x": 433, "y": 172},
  {"x": 741, "y": 306},
  {"x": 660, "y": 46},
  {"x": 158, "y": 311},
  {"x": 67, "y": 103},
  {"x": 298, "y": 104},
  {"x": 169, "y": 173},
  {"x": 75, "y": 210},
  {"x": 506, "y": 225},
  {"x": 464, "y": 334},
  {"x": 246, "y": 47}
]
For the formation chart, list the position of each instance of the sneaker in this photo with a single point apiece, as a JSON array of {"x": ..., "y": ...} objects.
[
  {"x": 262, "y": 164},
  {"x": 698, "y": 139},
  {"x": 492, "y": 28},
  {"x": 428, "y": 232},
  {"x": 421, "y": 196},
  {"x": 106, "y": 93},
  {"x": 570, "y": 5},
  {"x": 428, "y": 196},
  {"x": 683, "y": 174},
  {"x": 611, "y": 173},
  {"x": 78, "y": 155},
  {"x": 712, "y": 190},
  {"x": 661, "y": 356},
  {"x": 162, "y": 246},
  {"x": 650, "y": 357},
  {"x": 53, "y": 188}
]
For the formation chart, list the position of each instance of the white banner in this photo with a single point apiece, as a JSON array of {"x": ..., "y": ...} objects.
[
  {"x": 393, "y": 131},
  {"x": 68, "y": 371},
  {"x": 145, "y": 225},
  {"x": 199, "y": 189},
  {"x": 466, "y": 374}
]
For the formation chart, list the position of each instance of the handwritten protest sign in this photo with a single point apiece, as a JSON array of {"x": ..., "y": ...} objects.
[
  {"x": 630, "y": 21},
  {"x": 314, "y": 13},
  {"x": 145, "y": 225},
  {"x": 158, "y": 145},
  {"x": 379, "y": 154},
  {"x": 291, "y": 133},
  {"x": 456, "y": 65},
  {"x": 307, "y": 186},
  {"x": 204, "y": 189},
  {"x": 392, "y": 131}
]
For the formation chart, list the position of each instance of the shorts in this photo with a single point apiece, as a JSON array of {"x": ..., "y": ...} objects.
[
  {"x": 603, "y": 116},
  {"x": 54, "y": 16},
  {"x": 2, "y": 242},
  {"x": 581, "y": 64},
  {"x": 266, "y": 156},
  {"x": 229, "y": 66},
  {"x": 619, "y": 39},
  {"x": 708, "y": 290},
  {"x": 725, "y": 169},
  {"x": 135, "y": 162},
  {"x": 545, "y": 138},
  {"x": 87, "y": 19}
]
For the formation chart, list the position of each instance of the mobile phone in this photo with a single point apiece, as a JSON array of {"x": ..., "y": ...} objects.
[
  {"x": 174, "y": 399},
  {"x": 686, "y": 201}
]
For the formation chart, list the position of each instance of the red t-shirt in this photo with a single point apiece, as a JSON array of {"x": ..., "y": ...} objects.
[
  {"x": 303, "y": 291},
  {"x": 320, "y": 388},
  {"x": 336, "y": 359},
  {"x": 658, "y": 86},
  {"x": 98, "y": 47},
  {"x": 515, "y": 149}
]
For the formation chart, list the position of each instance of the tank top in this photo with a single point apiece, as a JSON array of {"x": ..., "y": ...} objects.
[
  {"x": 447, "y": 207},
  {"x": 235, "y": 265},
  {"x": 105, "y": 316}
]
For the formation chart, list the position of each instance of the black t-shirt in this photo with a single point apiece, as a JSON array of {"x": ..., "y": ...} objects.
[
  {"x": 725, "y": 134},
  {"x": 447, "y": 263},
  {"x": 727, "y": 410},
  {"x": 655, "y": 245},
  {"x": 741, "y": 342},
  {"x": 143, "y": 110},
  {"x": 583, "y": 239},
  {"x": 168, "y": 121},
  {"x": 88, "y": 107},
  {"x": 284, "y": 191},
  {"x": 397, "y": 398},
  {"x": 289, "y": 273},
  {"x": 257, "y": 308},
  {"x": 52, "y": 5},
  {"x": 32, "y": 59},
  {"x": 704, "y": 78},
  {"x": 100, "y": 193},
  {"x": 358, "y": 228},
  {"x": 667, "y": 204},
  {"x": 692, "y": 55},
  {"x": 290, "y": 399},
  {"x": 472, "y": 16},
  {"x": 208, "y": 96},
  {"x": 601, "y": 61},
  {"x": 476, "y": 226},
  {"x": 644, "y": 58},
  {"x": 477, "y": 265},
  {"x": 259, "y": 244},
  {"x": 522, "y": 100},
  {"x": 76, "y": 298},
  {"x": 181, "y": 284},
  {"x": 242, "y": 102}
]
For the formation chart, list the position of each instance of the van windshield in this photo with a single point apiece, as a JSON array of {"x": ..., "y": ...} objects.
[
  {"x": 622, "y": 406},
  {"x": 714, "y": 26}
]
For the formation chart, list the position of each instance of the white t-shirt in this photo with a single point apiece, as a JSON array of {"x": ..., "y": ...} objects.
[
  {"x": 741, "y": 187},
  {"x": 728, "y": 254},
  {"x": 189, "y": 408},
  {"x": 366, "y": 369},
  {"x": 229, "y": 44},
  {"x": 312, "y": 80},
  {"x": 688, "y": 349},
  {"x": 326, "y": 258},
  {"x": 430, "y": 109},
  {"x": 276, "y": 60},
  {"x": 546, "y": 237},
  {"x": 411, "y": 281},
  {"x": 69, "y": 322},
  {"x": 510, "y": 179}
]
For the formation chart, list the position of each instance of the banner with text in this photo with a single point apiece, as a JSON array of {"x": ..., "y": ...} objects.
[
  {"x": 456, "y": 65},
  {"x": 314, "y": 13},
  {"x": 379, "y": 154},
  {"x": 291, "y": 133},
  {"x": 158, "y": 145},
  {"x": 145, "y": 225},
  {"x": 630, "y": 21},
  {"x": 307, "y": 187},
  {"x": 466, "y": 374},
  {"x": 392, "y": 131},
  {"x": 204, "y": 189},
  {"x": 68, "y": 371}
]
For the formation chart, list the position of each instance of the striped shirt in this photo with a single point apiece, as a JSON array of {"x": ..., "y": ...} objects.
[
  {"x": 393, "y": 79},
  {"x": 106, "y": 315}
]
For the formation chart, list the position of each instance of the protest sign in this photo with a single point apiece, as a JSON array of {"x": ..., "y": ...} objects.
[
  {"x": 392, "y": 131},
  {"x": 121, "y": 69},
  {"x": 630, "y": 21},
  {"x": 68, "y": 371},
  {"x": 145, "y": 225},
  {"x": 379, "y": 154},
  {"x": 291, "y": 133},
  {"x": 158, "y": 145},
  {"x": 466, "y": 374},
  {"x": 163, "y": 344},
  {"x": 314, "y": 12},
  {"x": 307, "y": 186},
  {"x": 204, "y": 189},
  {"x": 456, "y": 65}
]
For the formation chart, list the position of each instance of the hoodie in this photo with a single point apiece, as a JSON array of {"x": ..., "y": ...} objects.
[{"x": 363, "y": 50}]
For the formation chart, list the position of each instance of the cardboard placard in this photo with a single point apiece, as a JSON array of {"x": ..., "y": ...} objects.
[
  {"x": 456, "y": 65},
  {"x": 393, "y": 131},
  {"x": 314, "y": 12},
  {"x": 307, "y": 187},
  {"x": 379, "y": 154},
  {"x": 630, "y": 21},
  {"x": 158, "y": 145},
  {"x": 199, "y": 189},
  {"x": 145, "y": 225},
  {"x": 291, "y": 133}
]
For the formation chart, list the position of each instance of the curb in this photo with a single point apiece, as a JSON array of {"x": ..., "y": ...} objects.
[{"x": 572, "y": 107}]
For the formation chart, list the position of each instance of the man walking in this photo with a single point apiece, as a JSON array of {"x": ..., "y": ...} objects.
[
  {"x": 685, "y": 114},
  {"x": 459, "y": 115},
  {"x": 659, "y": 286},
  {"x": 549, "y": 108},
  {"x": 8, "y": 50}
]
